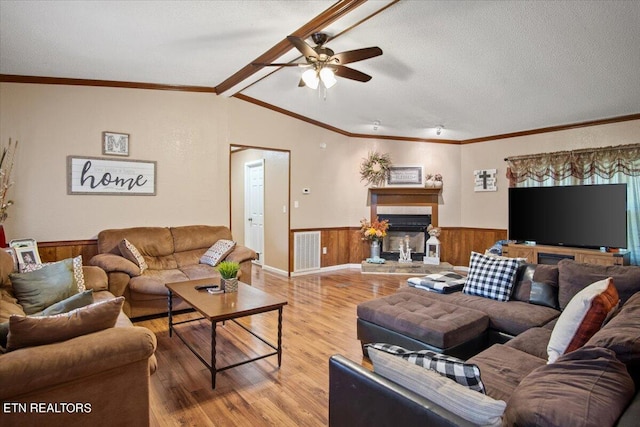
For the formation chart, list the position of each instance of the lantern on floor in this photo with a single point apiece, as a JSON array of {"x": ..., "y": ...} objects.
[{"x": 432, "y": 246}]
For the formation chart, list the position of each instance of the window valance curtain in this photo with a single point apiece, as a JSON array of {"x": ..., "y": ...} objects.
[{"x": 580, "y": 164}]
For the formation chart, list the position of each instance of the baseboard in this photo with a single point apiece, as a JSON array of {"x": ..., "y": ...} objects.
[
  {"x": 325, "y": 269},
  {"x": 342, "y": 267},
  {"x": 275, "y": 270}
]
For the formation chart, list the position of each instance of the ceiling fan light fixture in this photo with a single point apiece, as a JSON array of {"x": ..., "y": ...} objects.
[
  {"x": 328, "y": 77},
  {"x": 310, "y": 78}
]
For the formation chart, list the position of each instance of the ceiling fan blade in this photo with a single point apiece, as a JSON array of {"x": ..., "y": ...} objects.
[
  {"x": 302, "y": 46},
  {"x": 350, "y": 73},
  {"x": 356, "y": 55},
  {"x": 277, "y": 64}
]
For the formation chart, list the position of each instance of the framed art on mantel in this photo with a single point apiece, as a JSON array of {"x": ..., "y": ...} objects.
[
  {"x": 405, "y": 175},
  {"x": 115, "y": 144}
]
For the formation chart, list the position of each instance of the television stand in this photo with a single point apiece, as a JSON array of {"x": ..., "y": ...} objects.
[{"x": 533, "y": 254}]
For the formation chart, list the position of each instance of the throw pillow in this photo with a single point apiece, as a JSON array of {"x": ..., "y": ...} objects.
[
  {"x": 465, "y": 374},
  {"x": 522, "y": 285},
  {"x": 32, "y": 331},
  {"x": 39, "y": 289},
  {"x": 582, "y": 318},
  {"x": 130, "y": 252},
  {"x": 66, "y": 305},
  {"x": 491, "y": 277},
  {"x": 474, "y": 407},
  {"x": 217, "y": 252},
  {"x": 78, "y": 272},
  {"x": 76, "y": 301},
  {"x": 544, "y": 294},
  {"x": 588, "y": 387}
]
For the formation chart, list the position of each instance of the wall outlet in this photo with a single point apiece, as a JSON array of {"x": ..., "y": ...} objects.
[
  {"x": 296, "y": 204},
  {"x": 324, "y": 250}
]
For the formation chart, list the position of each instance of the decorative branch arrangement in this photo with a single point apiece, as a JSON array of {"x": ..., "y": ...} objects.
[{"x": 6, "y": 167}]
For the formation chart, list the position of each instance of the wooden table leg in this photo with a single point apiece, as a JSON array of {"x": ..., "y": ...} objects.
[
  {"x": 280, "y": 337},
  {"x": 213, "y": 355},
  {"x": 170, "y": 303}
]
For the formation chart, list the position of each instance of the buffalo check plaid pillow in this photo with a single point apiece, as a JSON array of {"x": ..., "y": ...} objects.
[
  {"x": 466, "y": 374},
  {"x": 491, "y": 277}
]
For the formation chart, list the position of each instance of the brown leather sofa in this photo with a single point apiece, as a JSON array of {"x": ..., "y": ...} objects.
[
  {"x": 172, "y": 254},
  {"x": 511, "y": 355},
  {"x": 104, "y": 375}
]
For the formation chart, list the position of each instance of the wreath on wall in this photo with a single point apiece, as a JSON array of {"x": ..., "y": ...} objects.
[{"x": 375, "y": 168}]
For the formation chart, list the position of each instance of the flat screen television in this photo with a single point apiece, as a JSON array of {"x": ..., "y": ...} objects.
[{"x": 589, "y": 216}]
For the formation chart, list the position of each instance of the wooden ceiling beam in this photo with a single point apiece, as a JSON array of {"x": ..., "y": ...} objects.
[{"x": 335, "y": 12}]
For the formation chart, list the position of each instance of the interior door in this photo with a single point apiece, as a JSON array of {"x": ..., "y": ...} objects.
[{"x": 254, "y": 207}]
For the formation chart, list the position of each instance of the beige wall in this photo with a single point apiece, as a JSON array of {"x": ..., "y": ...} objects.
[
  {"x": 338, "y": 198},
  {"x": 179, "y": 130},
  {"x": 489, "y": 209},
  {"x": 189, "y": 135}
]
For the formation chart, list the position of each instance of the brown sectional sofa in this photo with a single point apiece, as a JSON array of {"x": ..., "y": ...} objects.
[
  {"x": 172, "y": 254},
  {"x": 511, "y": 352},
  {"x": 108, "y": 370},
  {"x": 478, "y": 321}
]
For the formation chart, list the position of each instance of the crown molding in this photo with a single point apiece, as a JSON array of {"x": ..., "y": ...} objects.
[
  {"x": 11, "y": 78},
  {"x": 558, "y": 128},
  {"x": 439, "y": 141}
]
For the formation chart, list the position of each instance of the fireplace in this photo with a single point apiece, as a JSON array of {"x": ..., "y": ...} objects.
[{"x": 401, "y": 227}]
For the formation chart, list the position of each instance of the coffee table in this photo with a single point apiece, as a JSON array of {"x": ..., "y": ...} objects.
[{"x": 220, "y": 308}]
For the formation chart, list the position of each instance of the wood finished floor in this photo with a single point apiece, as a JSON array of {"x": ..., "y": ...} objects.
[{"x": 319, "y": 321}]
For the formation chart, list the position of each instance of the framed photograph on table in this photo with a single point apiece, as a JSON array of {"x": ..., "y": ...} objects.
[
  {"x": 27, "y": 256},
  {"x": 22, "y": 243},
  {"x": 115, "y": 144}
]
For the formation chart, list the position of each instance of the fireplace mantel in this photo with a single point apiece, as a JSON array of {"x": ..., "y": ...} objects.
[{"x": 405, "y": 196}]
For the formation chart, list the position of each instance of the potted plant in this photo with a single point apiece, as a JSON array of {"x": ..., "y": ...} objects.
[{"x": 229, "y": 272}]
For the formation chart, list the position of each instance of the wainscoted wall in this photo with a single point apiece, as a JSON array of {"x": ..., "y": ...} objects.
[
  {"x": 57, "y": 251},
  {"x": 344, "y": 245},
  {"x": 458, "y": 242}
]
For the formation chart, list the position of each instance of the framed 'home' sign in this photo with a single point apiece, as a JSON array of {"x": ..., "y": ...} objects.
[{"x": 94, "y": 175}]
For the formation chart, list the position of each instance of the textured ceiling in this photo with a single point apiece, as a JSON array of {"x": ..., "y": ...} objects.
[{"x": 478, "y": 68}]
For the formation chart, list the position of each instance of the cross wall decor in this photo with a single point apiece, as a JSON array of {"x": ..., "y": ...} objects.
[{"x": 485, "y": 180}]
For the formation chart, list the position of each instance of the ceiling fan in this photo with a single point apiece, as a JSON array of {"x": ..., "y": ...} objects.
[{"x": 324, "y": 64}]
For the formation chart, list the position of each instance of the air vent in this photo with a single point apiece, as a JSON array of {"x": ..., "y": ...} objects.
[{"x": 306, "y": 251}]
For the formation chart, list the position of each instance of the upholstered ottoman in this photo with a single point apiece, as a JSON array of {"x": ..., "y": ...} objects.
[{"x": 416, "y": 323}]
